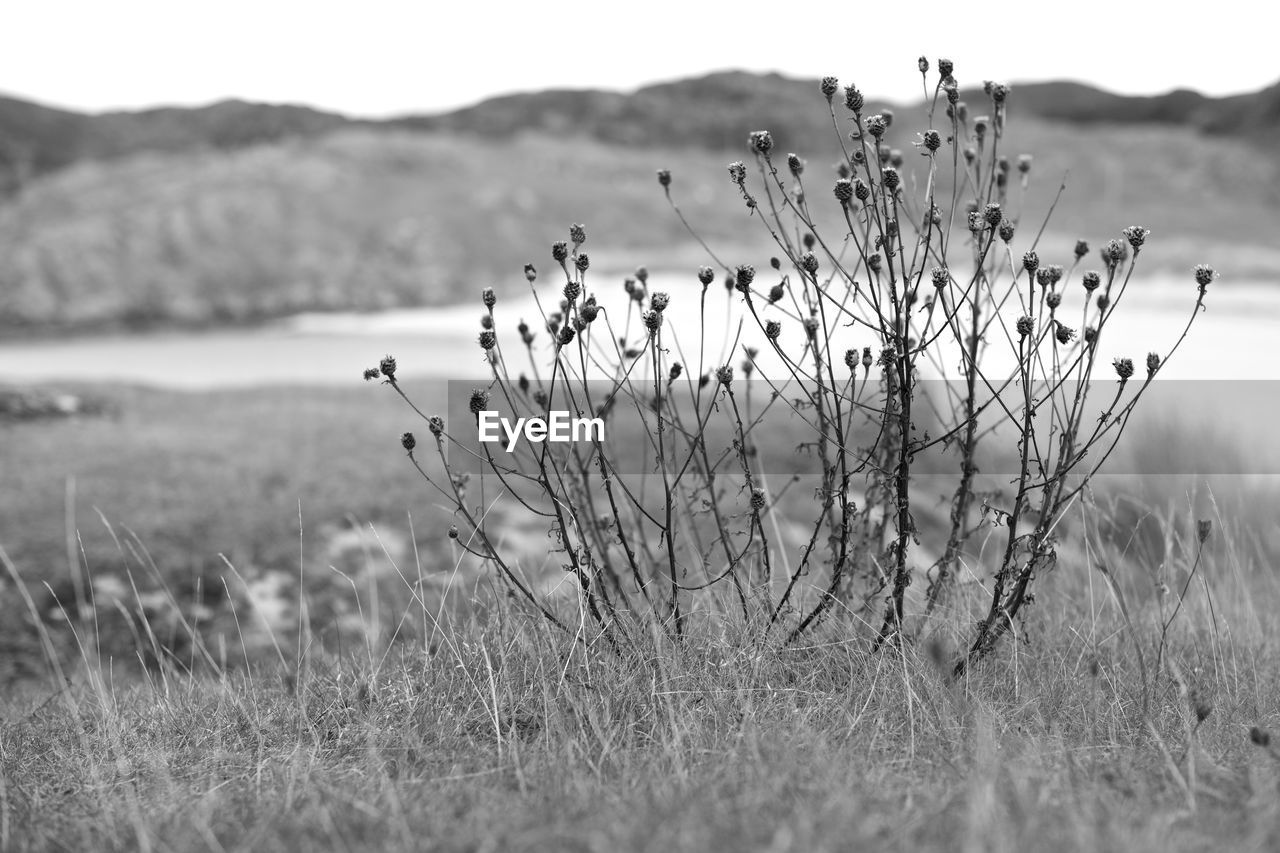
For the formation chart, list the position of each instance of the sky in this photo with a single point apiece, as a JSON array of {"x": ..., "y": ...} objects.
[{"x": 379, "y": 58}]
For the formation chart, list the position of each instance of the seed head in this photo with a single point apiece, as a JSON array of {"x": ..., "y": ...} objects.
[
  {"x": 652, "y": 322},
  {"x": 1114, "y": 252},
  {"x": 876, "y": 125},
  {"x": 659, "y": 302},
  {"x": 744, "y": 275},
  {"x": 582, "y": 262},
  {"x": 724, "y": 374},
  {"x": 1082, "y": 249},
  {"x": 589, "y": 311},
  {"x": 1090, "y": 334},
  {"x": 1204, "y": 275},
  {"x": 1124, "y": 368},
  {"x": 843, "y": 190},
  {"x": 488, "y": 340},
  {"x": 578, "y": 234},
  {"x": 760, "y": 142},
  {"x": 1104, "y": 302},
  {"x": 861, "y": 190},
  {"x": 1136, "y": 235},
  {"x": 1026, "y": 326},
  {"x": 738, "y": 172},
  {"x": 1064, "y": 334},
  {"x": 572, "y": 289},
  {"x": 777, "y": 292},
  {"x": 642, "y": 274},
  {"x": 873, "y": 262},
  {"x": 980, "y": 125},
  {"x": 559, "y": 251},
  {"x": 932, "y": 140},
  {"x": 891, "y": 179},
  {"x": 1044, "y": 277},
  {"x": 1053, "y": 300},
  {"x": 809, "y": 240},
  {"x": 488, "y": 297},
  {"x": 946, "y": 67},
  {"x": 706, "y": 275},
  {"x": 1006, "y": 230},
  {"x": 757, "y": 500},
  {"x": 453, "y": 531},
  {"x": 811, "y": 326},
  {"x": 866, "y": 358},
  {"x": 1153, "y": 364},
  {"x": 853, "y": 99},
  {"x": 1024, "y": 163},
  {"x": 388, "y": 367},
  {"x": 993, "y": 214},
  {"x": 486, "y": 321},
  {"x": 772, "y": 329},
  {"x": 674, "y": 373},
  {"x": 408, "y": 442},
  {"x": 830, "y": 85},
  {"x": 1203, "y": 528},
  {"x": 664, "y": 177},
  {"x": 953, "y": 98},
  {"x": 795, "y": 164},
  {"x": 479, "y": 401},
  {"x": 1091, "y": 280},
  {"x": 371, "y": 373},
  {"x": 435, "y": 423},
  {"x": 809, "y": 262}
]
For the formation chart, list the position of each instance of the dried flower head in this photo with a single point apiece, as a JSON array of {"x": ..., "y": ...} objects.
[
  {"x": 891, "y": 178},
  {"x": 744, "y": 275},
  {"x": 866, "y": 358},
  {"x": 811, "y": 326},
  {"x": 980, "y": 125},
  {"x": 760, "y": 142},
  {"x": 664, "y": 177},
  {"x": 1091, "y": 280},
  {"x": 993, "y": 214},
  {"x": 578, "y": 233},
  {"x": 488, "y": 340},
  {"x": 371, "y": 373},
  {"x": 809, "y": 262},
  {"x": 652, "y": 321},
  {"x": 795, "y": 164},
  {"x": 1053, "y": 300},
  {"x": 830, "y": 85},
  {"x": 853, "y": 99},
  {"x": 1136, "y": 235},
  {"x": 1025, "y": 326},
  {"x": 408, "y": 442},
  {"x": 1006, "y": 230},
  {"x": 1090, "y": 334},
  {"x": 738, "y": 172},
  {"x": 388, "y": 367},
  {"x": 931, "y": 140},
  {"x": 572, "y": 289},
  {"x": 559, "y": 251},
  {"x": 851, "y": 359},
  {"x": 724, "y": 374},
  {"x": 706, "y": 275},
  {"x": 435, "y": 424},
  {"x": 582, "y": 262},
  {"x": 1082, "y": 249},
  {"x": 479, "y": 401},
  {"x": 876, "y": 125},
  {"x": 589, "y": 311},
  {"x": 772, "y": 330},
  {"x": 1024, "y": 163},
  {"x": 565, "y": 337},
  {"x": 940, "y": 276},
  {"x": 1153, "y": 363},
  {"x": 659, "y": 301},
  {"x": 1204, "y": 275},
  {"x": 757, "y": 500},
  {"x": 946, "y": 67},
  {"x": 776, "y": 292},
  {"x": 1124, "y": 368},
  {"x": 1064, "y": 334},
  {"x": 1204, "y": 527},
  {"x": 843, "y": 190}
]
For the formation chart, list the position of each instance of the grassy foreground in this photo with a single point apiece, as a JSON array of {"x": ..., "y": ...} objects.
[{"x": 492, "y": 732}]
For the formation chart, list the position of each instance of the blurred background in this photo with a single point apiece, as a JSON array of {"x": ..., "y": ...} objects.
[{"x": 212, "y": 219}]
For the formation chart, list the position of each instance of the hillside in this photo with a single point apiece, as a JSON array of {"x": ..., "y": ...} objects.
[{"x": 241, "y": 212}]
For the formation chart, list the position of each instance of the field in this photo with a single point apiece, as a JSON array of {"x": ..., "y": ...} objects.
[{"x": 479, "y": 728}]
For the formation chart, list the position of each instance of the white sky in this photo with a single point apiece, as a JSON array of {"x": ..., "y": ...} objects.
[{"x": 380, "y": 57}]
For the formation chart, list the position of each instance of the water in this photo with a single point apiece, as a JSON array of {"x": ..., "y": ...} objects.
[{"x": 1232, "y": 339}]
